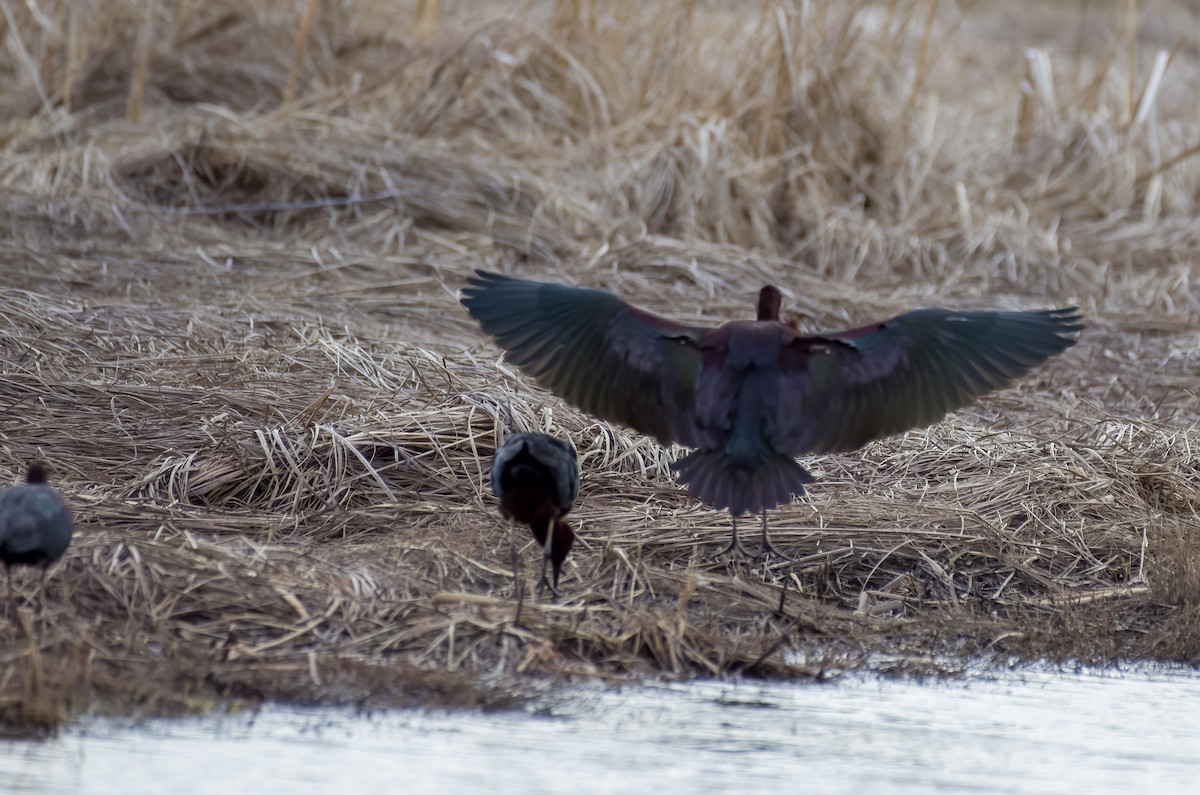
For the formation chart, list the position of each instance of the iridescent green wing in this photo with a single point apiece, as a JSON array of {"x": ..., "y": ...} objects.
[
  {"x": 607, "y": 357},
  {"x": 844, "y": 389}
]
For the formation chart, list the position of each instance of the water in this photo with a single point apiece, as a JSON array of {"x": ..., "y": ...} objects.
[{"x": 1040, "y": 732}]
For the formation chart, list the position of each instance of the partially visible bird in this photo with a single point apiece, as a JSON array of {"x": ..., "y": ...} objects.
[
  {"x": 536, "y": 478},
  {"x": 752, "y": 395},
  {"x": 35, "y": 525}
]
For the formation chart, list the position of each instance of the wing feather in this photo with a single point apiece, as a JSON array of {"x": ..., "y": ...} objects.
[
  {"x": 609, "y": 358},
  {"x": 863, "y": 384}
]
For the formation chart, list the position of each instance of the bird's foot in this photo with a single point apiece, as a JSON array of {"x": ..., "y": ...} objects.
[
  {"x": 768, "y": 551},
  {"x": 734, "y": 550},
  {"x": 544, "y": 584}
]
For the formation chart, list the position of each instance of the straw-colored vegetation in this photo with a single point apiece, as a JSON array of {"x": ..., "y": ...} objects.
[{"x": 235, "y": 234}]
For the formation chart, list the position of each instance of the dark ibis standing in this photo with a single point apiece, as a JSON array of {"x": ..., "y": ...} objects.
[
  {"x": 536, "y": 478},
  {"x": 751, "y": 395},
  {"x": 35, "y": 525}
]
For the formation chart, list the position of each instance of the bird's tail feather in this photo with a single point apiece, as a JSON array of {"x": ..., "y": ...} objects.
[{"x": 712, "y": 479}]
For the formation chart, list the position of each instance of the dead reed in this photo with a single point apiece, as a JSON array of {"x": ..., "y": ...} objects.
[{"x": 230, "y": 326}]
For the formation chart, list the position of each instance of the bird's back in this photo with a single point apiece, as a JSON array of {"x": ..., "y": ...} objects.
[
  {"x": 740, "y": 381},
  {"x": 35, "y": 525},
  {"x": 556, "y": 457},
  {"x": 740, "y": 345}
]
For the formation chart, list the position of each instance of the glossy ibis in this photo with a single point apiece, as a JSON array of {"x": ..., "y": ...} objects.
[
  {"x": 35, "y": 525},
  {"x": 536, "y": 478},
  {"x": 752, "y": 395}
]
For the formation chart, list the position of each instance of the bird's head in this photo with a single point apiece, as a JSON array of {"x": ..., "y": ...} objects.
[
  {"x": 769, "y": 302},
  {"x": 35, "y": 474}
]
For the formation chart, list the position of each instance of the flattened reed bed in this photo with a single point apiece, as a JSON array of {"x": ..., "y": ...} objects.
[{"x": 231, "y": 328}]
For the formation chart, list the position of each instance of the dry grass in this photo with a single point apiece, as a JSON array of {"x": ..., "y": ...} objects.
[{"x": 236, "y": 233}]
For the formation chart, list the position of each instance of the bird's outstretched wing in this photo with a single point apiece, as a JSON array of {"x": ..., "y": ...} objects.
[
  {"x": 844, "y": 389},
  {"x": 609, "y": 358}
]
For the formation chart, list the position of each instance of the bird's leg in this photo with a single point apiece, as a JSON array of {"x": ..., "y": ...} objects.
[
  {"x": 518, "y": 586},
  {"x": 41, "y": 591},
  {"x": 36, "y": 600},
  {"x": 735, "y": 547},
  {"x": 547, "y": 549},
  {"x": 9, "y": 603},
  {"x": 544, "y": 581},
  {"x": 767, "y": 547}
]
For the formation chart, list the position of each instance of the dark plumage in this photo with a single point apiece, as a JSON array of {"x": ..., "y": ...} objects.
[
  {"x": 536, "y": 478},
  {"x": 752, "y": 395},
  {"x": 35, "y": 525}
]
